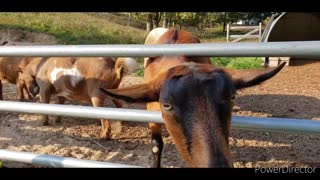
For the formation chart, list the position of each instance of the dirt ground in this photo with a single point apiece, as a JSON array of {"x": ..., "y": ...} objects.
[{"x": 293, "y": 93}]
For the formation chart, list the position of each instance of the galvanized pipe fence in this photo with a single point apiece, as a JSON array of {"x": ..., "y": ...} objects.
[
  {"x": 303, "y": 126},
  {"x": 57, "y": 161},
  {"x": 269, "y": 49},
  {"x": 242, "y": 49}
]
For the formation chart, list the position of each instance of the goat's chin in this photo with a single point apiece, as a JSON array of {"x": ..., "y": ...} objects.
[{"x": 34, "y": 98}]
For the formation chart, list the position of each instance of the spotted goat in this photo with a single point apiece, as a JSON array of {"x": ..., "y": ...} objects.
[{"x": 76, "y": 80}]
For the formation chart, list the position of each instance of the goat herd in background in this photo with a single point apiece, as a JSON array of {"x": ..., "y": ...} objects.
[{"x": 194, "y": 96}]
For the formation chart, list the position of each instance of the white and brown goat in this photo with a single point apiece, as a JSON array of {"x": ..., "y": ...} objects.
[{"x": 76, "y": 79}]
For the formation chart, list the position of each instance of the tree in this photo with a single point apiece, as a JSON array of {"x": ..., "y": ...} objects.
[
  {"x": 152, "y": 19},
  {"x": 147, "y": 17},
  {"x": 224, "y": 21},
  {"x": 129, "y": 19},
  {"x": 149, "y": 22},
  {"x": 165, "y": 20},
  {"x": 156, "y": 19},
  {"x": 196, "y": 19},
  {"x": 212, "y": 18}
]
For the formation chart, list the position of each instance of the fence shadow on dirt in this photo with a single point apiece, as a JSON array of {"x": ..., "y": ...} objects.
[{"x": 281, "y": 106}]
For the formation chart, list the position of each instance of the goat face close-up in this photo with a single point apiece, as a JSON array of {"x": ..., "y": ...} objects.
[{"x": 196, "y": 104}]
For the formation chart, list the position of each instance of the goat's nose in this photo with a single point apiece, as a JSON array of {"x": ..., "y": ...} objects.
[{"x": 34, "y": 91}]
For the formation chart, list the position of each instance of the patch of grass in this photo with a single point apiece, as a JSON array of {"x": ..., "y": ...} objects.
[
  {"x": 238, "y": 62},
  {"x": 229, "y": 62},
  {"x": 220, "y": 61},
  {"x": 74, "y": 28},
  {"x": 140, "y": 71}
]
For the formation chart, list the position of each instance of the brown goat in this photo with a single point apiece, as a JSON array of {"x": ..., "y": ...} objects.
[
  {"x": 27, "y": 75},
  {"x": 195, "y": 99},
  {"x": 77, "y": 79},
  {"x": 9, "y": 72},
  {"x": 152, "y": 38}
]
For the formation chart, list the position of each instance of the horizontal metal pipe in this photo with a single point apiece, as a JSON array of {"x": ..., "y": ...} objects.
[
  {"x": 82, "y": 111},
  {"x": 56, "y": 161},
  {"x": 238, "y": 122},
  {"x": 301, "y": 126},
  {"x": 247, "y": 36},
  {"x": 243, "y": 49},
  {"x": 243, "y": 27}
]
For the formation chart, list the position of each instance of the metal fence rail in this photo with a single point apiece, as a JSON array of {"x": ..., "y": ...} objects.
[
  {"x": 57, "y": 161},
  {"x": 243, "y": 49},
  {"x": 238, "y": 122}
]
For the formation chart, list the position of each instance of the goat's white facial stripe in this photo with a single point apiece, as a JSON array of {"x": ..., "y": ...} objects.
[{"x": 74, "y": 73}]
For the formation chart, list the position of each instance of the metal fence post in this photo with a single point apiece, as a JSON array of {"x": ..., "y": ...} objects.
[
  {"x": 228, "y": 32},
  {"x": 260, "y": 30}
]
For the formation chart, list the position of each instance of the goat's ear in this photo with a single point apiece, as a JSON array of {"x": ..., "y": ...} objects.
[
  {"x": 136, "y": 93},
  {"x": 14, "y": 67},
  {"x": 247, "y": 78}
]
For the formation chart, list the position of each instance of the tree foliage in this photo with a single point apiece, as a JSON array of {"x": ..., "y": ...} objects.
[{"x": 198, "y": 19}]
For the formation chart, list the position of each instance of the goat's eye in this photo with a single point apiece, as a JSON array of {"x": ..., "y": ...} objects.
[{"x": 167, "y": 106}]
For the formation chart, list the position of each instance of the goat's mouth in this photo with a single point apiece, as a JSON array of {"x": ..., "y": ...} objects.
[
  {"x": 31, "y": 97},
  {"x": 33, "y": 91},
  {"x": 201, "y": 145}
]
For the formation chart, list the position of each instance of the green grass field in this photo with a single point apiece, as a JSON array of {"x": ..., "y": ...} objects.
[
  {"x": 229, "y": 62},
  {"x": 92, "y": 28},
  {"x": 74, "y": 28}
]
